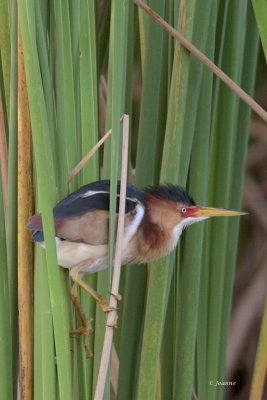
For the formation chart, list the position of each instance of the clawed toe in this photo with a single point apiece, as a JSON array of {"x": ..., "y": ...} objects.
[
  {"x": 114, "y": 323},
  {"x": 105, "y": 307},
  {"x": 84, "y": 330}
]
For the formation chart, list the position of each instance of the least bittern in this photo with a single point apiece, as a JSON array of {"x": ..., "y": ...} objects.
[{"x": 154, "y": 220}]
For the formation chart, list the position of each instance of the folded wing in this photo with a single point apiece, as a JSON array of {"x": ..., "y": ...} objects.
[{"x": 83, "y": 215}]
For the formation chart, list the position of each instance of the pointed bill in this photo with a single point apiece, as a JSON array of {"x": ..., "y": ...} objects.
[{"x": 216, "y": 212}]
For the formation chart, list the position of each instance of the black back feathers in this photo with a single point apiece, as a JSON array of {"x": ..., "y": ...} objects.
[
  {"x": 95, "y": 196},
  {"x": 172, "y": 193}
]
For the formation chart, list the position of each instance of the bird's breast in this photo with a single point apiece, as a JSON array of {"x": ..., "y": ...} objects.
[{"x": 146, "y": 246}]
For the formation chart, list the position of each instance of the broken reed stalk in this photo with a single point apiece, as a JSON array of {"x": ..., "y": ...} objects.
[
  {"x": 112, "y": 316},
  {"x": 87, "y": 157},
  {"x": 205, "y": 60}
]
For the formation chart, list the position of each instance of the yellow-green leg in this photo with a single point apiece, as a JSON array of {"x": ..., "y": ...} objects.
[
  {"x": 86, "y": 328},
  {"x": 76, "y": 277}
]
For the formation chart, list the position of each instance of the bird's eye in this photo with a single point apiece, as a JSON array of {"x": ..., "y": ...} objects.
[{"x": 183, "y": 210}]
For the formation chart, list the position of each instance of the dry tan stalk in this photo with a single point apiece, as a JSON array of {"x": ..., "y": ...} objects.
[
  {"x": 112, "y": 316},
  {"x": 205, "y": 60},
  {"x": 87, "y": 157}
]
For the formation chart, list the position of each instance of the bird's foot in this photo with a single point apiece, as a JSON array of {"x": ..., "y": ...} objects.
[
  {"x": 85, "y": 330},
  {"x": 114, "y": 323},
  {"x": 105, "y": 307}
]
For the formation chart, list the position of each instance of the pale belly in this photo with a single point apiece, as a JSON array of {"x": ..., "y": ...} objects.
[
  {"x": 91, "y": 258},
  {"x": 94, "y": 258}
]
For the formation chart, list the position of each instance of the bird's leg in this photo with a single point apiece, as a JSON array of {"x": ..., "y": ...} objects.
[
  {"x": 86, "y": 328},
  {"x": 75, "y": 276}
]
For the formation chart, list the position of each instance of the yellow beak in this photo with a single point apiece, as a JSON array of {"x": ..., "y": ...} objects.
[{"x": 216, "y": 212}]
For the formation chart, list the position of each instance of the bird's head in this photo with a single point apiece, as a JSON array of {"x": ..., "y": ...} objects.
[{"x": 173, "y": 204}]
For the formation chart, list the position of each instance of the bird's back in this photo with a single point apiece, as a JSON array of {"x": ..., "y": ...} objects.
[
  {"x": 82, "y": 224},
  {"x": 83, "y": 215}
]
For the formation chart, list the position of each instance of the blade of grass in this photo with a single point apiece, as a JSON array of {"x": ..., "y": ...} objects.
[
  {"x": 25, "y": 257},
  {"x": 115, "y": 107},
  {"x": 160, "y": 275},
  {"x": 202, "y": 139},
  {"x": 88, "y": 89},
  {"x": 167, "y": 352},
  {"x": 142, "y": 36},
  {"x": 51, "y": 34},
  {"x": 150, "y": 136},
  {"x": 119, "y": 32},
  {"x": 249, "y": 70},
  {"x": 88, "y": 86},
  {"x": 156, "y": 305},
  {"x": 46, "y": 192},
  {"x": 6, "y": 370},
  {"x": 65, "y": 98},
  {"x": 157, "y": 296},
  {"x": 221, "y": 167},
  {"x": 5, "y": 50},
  {"x": 45, "y": 378},
  {"x": 103, "y": 35},
  {"x": 203, "y": 378},
  {"x": 152, "y": 123},
  {"x": 260, "y": 9},
  {"x": 46, "y": 79},
  {"x": 129, "y": 73},
  {"x": 129, "y": 311},
  {"x": 201, "y": 35},
  {"x": 12, "y": 214},
  {"x": 3, "y": 158},
  {"x": 131, "y": 330},
  {"x": 196, "y": 123}
]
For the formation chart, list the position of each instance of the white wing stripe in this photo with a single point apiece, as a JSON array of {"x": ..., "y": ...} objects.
[{"x": 94, "y": 192}]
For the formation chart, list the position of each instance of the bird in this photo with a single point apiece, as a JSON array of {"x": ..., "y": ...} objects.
[{"x": 154, "y": 220}]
